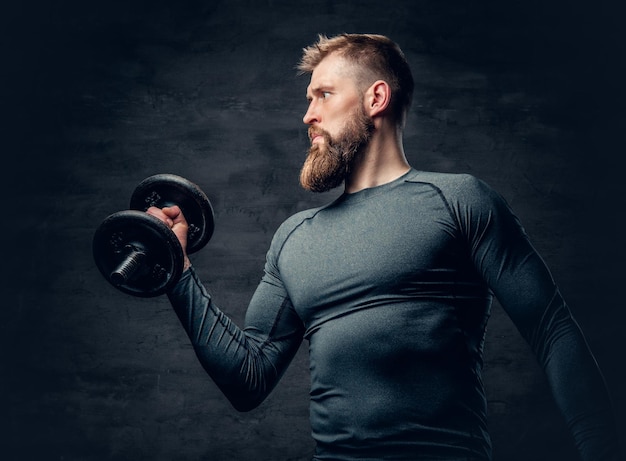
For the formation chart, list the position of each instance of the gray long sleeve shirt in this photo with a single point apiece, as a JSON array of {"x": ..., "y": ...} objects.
[{"x": 392, "y": 288}]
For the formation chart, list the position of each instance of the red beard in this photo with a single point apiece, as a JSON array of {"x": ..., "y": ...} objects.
[{"x": 329, "y": 163}]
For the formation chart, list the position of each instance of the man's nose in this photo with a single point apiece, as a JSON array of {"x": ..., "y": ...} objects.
[{"x": 311, "y": 115}]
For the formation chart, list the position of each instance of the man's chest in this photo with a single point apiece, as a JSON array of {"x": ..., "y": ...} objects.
[{"x": 377, "y": 252}]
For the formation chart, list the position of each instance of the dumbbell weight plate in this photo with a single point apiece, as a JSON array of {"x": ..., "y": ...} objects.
[
  {"x": 132, "y": 232},
  {"x": 164, "y": 190}
]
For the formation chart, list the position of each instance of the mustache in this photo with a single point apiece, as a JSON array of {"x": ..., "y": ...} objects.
[{"x": 313, "y": 132}]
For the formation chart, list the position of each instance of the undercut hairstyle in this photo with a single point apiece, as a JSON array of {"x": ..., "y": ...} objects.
[{"x": 374, "y": 57}]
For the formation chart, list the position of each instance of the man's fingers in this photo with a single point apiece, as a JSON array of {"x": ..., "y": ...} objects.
[
  {"x": 162, "y": 214},
  {"x": 172, "y": 211},
  {"x": 175, "y": 213}
]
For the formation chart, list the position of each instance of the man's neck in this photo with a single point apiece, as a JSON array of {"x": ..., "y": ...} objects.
[{"x": 382, "y": 162}]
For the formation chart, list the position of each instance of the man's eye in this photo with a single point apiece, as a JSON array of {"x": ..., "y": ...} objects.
[{"x": 325, "y": 94}]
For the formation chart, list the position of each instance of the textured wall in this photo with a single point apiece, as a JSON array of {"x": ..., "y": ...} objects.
[{"x": 97, "y": 96}]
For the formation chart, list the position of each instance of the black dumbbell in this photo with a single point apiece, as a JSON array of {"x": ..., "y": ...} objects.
[{"x": 138, "y": 253}]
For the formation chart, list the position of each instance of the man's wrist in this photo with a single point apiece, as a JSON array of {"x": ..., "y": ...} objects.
[{"x": 186, "y": 263}]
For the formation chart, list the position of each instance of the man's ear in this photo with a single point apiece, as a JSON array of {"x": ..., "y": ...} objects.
[{"x": 377, "y": 98}]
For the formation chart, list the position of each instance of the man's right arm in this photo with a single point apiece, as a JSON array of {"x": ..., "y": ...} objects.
[{"x": 247, "y": 363}]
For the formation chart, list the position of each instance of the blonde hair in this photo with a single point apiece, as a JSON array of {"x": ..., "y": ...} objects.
[{"x": 374, "y": 57}]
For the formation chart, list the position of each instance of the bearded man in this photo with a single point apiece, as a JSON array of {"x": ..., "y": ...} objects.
[{"x": 391, "y": 284}]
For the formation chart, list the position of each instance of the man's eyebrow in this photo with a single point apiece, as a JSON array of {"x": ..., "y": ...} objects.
[
  {"x": 311, "y": 91},
  {"x": 316, "y": 90}
]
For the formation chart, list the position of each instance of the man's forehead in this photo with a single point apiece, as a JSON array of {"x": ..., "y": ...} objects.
[
  {"x": 332, "y": 64},
  {"x": 331, "y": 70}
]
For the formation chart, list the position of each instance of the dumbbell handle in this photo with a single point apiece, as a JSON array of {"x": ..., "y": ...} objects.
[{"x": 125, "y": 270}]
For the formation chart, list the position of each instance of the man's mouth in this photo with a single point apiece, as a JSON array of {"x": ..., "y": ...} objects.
[{"x": 315, "y": 136}]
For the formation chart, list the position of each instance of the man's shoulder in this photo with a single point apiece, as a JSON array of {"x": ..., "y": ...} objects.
[
  {"x": 465, "y": 194},
  {"x": 294, "y": 221},
  {"x": 297, "y": 218},
  {"x": 452, "y": 185},
  {"x": 441, "y": 179}
]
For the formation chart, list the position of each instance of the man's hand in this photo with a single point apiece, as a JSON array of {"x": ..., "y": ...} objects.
[{"x": 173, "y": 217}]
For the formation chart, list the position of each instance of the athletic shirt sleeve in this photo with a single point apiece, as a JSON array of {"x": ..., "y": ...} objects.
[
  {"x": 518, "y": 277},
  {"x": 246, "y": 364}
]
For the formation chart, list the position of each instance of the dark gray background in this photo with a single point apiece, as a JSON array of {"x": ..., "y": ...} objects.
[{"x": 98, "y": 95}]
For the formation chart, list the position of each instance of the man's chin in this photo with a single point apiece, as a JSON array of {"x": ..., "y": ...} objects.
[{"x": 320, "y": 184}]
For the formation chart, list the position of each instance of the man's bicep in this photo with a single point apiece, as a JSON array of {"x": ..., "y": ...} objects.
[
  {"x": 507, "y": 261},
  {"x": 273, "y": 322}
]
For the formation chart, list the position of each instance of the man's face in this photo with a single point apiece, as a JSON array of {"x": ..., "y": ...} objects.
[{"x": 339, "y": 128}]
